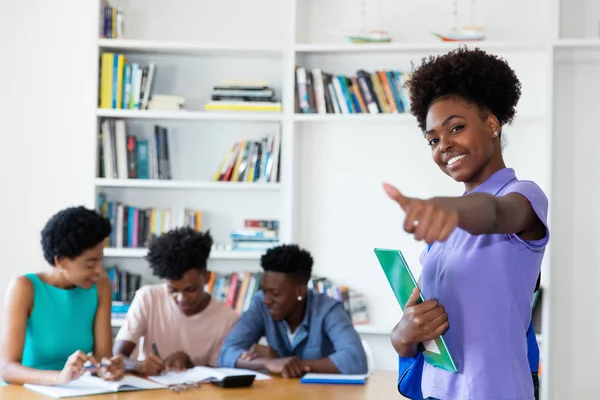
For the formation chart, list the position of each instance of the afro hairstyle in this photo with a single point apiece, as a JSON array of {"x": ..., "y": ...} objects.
[
  {"x": 471, "y": 74},
  {"x": 71, "y": 231},
  {"x": 177, "y": 251},
  {"x": 288, "y": 259}
]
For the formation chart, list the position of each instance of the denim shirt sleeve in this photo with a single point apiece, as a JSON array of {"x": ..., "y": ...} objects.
[
  {"x": 349, "y": 356},
  {"x": 246, "y": 332}
]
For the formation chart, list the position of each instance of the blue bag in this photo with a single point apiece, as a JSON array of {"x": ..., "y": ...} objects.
[{"x": 410, "y": 370}]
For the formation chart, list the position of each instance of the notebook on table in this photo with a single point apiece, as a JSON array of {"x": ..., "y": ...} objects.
[
  {"x": 203, "y": 374},
  {"x": 403, "y": 282},
  {"x": 334, "y": 379},
  {"x": 89, "y": 385}
]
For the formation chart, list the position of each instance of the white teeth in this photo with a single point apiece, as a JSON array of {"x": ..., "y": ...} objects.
[{"x": 455, "y": 159}]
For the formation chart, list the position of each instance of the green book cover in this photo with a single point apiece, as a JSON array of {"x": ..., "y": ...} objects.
[{"x": 403, "y": 283}]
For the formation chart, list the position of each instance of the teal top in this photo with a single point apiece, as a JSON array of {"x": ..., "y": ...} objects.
[{"x": 61, "y": 322}]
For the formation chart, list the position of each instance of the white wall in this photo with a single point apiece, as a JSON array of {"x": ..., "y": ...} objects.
[{"x": 47, "y": 122}]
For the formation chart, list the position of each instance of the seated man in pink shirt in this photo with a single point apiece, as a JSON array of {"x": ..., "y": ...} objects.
[{"x": 177, "y": 318}]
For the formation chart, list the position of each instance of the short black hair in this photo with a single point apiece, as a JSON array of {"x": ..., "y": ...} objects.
[
  {"x": 71, "y": 231},
  {"x": 289, "y": 259},
  {"x": 177, "y": 251},
  {"x": 478, "y": 77}
]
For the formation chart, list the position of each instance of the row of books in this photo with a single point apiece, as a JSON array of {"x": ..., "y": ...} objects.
[
  {"x": 321, "y": 92},
  {"x": 111, "y": 21},
  {"x": 125, "y": 85},
  {"x": 354, "y": 302},
  {"x": 251, "y": 161},
  {"x": 134, "y": 227},
  {"x": 124, "y": 284},
  {"x": 237, "y": 289},
  {"x": 125, "y": 156},
  {"x": 243, "y": 96}
]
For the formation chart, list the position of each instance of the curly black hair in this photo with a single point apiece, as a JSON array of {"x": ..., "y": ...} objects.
[
  {"x": 289, "y": 259},
  {"x": 478, "y": 77},
  {"x": 174, "y": 253},
  {"x": 71, "y": 231}
]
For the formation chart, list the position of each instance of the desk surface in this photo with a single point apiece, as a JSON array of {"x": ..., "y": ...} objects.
[{"x": 380, "y": 386}]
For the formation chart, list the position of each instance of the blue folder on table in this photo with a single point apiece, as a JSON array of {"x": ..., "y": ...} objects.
[{"x": 334, "y": 379}]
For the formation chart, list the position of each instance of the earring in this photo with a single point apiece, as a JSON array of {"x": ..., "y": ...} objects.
[
  {"x": 496, "y": 133},
  {"x": 299, "y": 298}
]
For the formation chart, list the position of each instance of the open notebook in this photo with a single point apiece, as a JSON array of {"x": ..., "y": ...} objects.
[
  {"x": 89, "y": 385},
  {"x": 204, "y": 374}
]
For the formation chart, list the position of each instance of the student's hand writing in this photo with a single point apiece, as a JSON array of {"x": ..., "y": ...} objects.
[
  {"x": 113, "y": 369},
  {"x": 152, "y": 365},
  {"x": 177, "y": 361},
  {"x": 259, "y": 351},
  {"x": 421, "y": 322},
  {"x": 73, "y": 368},
  {"x": 429, "y": 220},
  {"x": 290, "y": 367}
]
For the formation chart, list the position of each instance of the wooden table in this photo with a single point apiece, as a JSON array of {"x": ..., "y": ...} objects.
[{"x": 380, "y": 386}]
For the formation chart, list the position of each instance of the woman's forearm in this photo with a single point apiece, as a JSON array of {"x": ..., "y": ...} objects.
[
  {"x": 477, "y": 212},
  {"x": 405, "y": 350},
  {"x": 16, "y": 373}
]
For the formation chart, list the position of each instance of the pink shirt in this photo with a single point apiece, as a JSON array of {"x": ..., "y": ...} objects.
[{"x": 153, "y": 315}]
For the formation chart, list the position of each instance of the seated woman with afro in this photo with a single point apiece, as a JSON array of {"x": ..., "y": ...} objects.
[
  {"x": 57, "y": 320},
  {"x": 305, "y": 331}
]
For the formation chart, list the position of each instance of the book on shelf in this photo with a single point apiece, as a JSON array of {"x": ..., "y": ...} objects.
[
  {"x": 256, "y": 235},
  {"x": 124, "y": 286},
  {"x": 243, "y": 96},
  {"x": 236, "y": 290},
  {"x": 125, "y": 156},
  {"x": 111, "y": 21},
  {"x": 134, "y": 227},
  {"x": 124, "y": 85},
  {"x": 354, "y": 302},
  {"x": 251, "y": 161},
  {"x": 321, "y": 92}
]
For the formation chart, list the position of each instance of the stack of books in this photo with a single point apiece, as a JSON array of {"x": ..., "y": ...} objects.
[
  {"x": 243, "y": 96},
  {"x": 256, "y": 235}
]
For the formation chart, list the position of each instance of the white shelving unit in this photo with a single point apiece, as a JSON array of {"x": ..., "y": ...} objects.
[
  {"x": 570, "y": 342},
  {"x": 189, "y": 63},
  {"x": 329, "y": 199}
]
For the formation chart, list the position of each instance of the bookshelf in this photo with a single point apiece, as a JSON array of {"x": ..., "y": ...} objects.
[
  {"x": 329, "y": 196},
  {"x": 189, "y": 64}
]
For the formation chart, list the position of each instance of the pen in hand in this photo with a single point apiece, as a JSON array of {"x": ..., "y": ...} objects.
[{"x": 155, "y": 348}]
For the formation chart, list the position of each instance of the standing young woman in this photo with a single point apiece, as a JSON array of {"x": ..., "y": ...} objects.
[
  {"x": 487, "y": 245},
  {"x": 57, "y": 320}
]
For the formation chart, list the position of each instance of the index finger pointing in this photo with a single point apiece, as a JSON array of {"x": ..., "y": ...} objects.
[{"x": 395, "y": 195}]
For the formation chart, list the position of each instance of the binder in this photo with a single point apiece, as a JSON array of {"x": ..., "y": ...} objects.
[{"x": 403, "y": 282}]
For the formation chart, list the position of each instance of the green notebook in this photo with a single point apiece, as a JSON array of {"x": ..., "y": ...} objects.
[{"x": 403, "y": 283}]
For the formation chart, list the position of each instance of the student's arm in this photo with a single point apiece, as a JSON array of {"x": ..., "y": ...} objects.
[
  {"x": 522, "y": 211},
  {"x": 134, "y": 327},
  {"x": 246, "y": 332},
  {"x": 18, "y": 303},
  {"x": 103, "y": 333},
  {"x": 349, "y": 356},
  {"x": 102, "y": 326}
]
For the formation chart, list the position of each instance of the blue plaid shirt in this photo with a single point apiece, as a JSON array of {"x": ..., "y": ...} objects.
[{"x": 325, "y": 331}]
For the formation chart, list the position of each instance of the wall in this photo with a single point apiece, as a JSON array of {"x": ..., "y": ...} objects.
[{"x": 46, "y": 109}]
